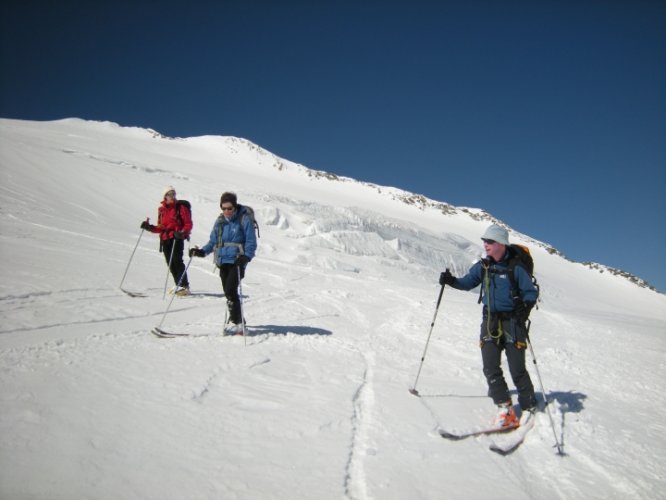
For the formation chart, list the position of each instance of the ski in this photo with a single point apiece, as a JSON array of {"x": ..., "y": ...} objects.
[
  {"x": 170, "y": 335},
  {"x": 456, "y": 435},
  {"x": 167, "y": 335},
  {"x": 512, "y": 441},
  {"x": 133, "y": 294}
]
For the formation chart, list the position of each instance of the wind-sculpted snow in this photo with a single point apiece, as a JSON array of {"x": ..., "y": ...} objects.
[
  {"x": 340, "y": 298},
  {"x": 358, "y": 232}
]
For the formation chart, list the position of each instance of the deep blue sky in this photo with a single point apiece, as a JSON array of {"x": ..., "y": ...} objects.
[{"x": 550, "y": 115}]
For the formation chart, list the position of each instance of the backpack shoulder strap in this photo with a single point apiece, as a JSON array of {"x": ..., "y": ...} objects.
[
  {"x": 485, "y": 266},
  {"x": 221, "y": 221},
  {"x": 511, "y": 269}
]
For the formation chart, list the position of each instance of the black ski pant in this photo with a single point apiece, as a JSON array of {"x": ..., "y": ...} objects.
[
  {"x": 506, "y": 334},
  {"x": 229, "y": 277},
  {"x": 177, "y": 266}
]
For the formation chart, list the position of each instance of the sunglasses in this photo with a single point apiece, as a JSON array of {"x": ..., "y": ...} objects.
[
  {"x": 171, "y": 193},
  {"x": 488, "y": 242},
  {"x": 227, "y": 209}
]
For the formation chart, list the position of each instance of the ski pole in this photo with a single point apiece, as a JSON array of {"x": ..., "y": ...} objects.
[
  {"x": 543, "y": 391},
  {"x": 132, "y": 256},
  {"x": 166, "y": 281},
  {"x": 432, "y": 325},
  {"x": 174, "y": 295},
  {"x": 240, "y": 300}
]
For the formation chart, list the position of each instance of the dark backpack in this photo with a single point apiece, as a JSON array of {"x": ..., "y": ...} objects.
[
  {"x": 249, "y": 212},
  {"x": 187, "y": 205},
  {"x": 519, "y": 255}
]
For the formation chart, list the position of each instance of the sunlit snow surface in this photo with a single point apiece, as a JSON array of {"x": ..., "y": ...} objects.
[{"x": 314, "y": 403}]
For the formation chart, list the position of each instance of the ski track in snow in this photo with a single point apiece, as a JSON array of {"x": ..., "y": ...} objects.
[
  {"x": 76, "y": 307},
  {"x": 355, "y": 479}
]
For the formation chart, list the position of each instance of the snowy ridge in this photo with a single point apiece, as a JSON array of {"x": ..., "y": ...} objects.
[
  {"x": 339, "y": 301},
  {"x": 240, "y": 148}
]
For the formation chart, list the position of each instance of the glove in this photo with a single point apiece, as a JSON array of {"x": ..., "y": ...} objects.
[
  {"x": 522, "y": 310},
  {"x": 147, "y": 226},
  {"x": 196, "y": 252},
  {"x": 446, "y": 278},
  {"x": 180, "y": 235},
  {"x": 242, "y": 260}
]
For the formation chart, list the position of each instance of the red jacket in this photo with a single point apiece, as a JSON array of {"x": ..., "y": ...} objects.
[{"x": 168, "y": 222}]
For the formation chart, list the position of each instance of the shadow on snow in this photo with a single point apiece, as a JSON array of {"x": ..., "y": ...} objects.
[{"x": 285, "y": 329}]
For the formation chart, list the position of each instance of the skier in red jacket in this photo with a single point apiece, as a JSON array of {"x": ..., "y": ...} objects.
[{"x": 174, "y": 225}]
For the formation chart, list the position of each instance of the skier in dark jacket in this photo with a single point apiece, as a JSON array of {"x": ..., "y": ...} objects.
[
  {"x": 174, "y": 225},
  {"x": 234, "y": 242},
  {"x": 505, "y": 312}
]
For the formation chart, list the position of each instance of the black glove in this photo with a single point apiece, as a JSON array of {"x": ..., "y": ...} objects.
[
  {"x": 147, "y": 226},
  {"x": 196, "y": 252},
  {"x": 446, "y": 278},
  {"x": 180, "y": 235},
  {"x": 522, "y": 310},
  {"x": 242, "y": 260}
]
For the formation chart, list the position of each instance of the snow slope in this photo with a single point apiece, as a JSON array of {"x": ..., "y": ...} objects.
[{"x": 314, "y": 404}]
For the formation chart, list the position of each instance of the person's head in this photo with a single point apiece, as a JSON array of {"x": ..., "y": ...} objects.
[
  {"x": 169, "y": 194},
  {"x": 228, "y": 203},
  {"x": 495, "y": 241}
]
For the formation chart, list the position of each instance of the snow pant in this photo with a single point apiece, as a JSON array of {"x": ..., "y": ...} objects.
[
  {"x": 503, "y": 332},
  {"x": 229, "y": 277},
  {"x": 177, "y": 267}
]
